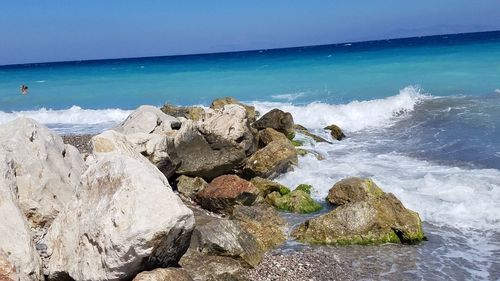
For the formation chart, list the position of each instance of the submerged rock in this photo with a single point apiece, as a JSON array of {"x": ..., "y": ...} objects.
[
  {"x": 335, "y": 131},
  {"x": 190, "y": 187},
  {"x": 279, "y": 120},
  {"x": 303, "y": 130},
  {"x": 164, "y": 274},
  {"x": 46, "y": 171},
  {"x": 126, "y": 218},
  {"x": 369, "y": 217},
  {"x": 353, "y": 189},
  {"x": 226, "y": 191}
]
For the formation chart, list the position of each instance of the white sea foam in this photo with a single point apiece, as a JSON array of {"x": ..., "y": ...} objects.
[
  {"x": 497, "y": 91},
  {"x": 73, "y": 115},
  {"x": 354, "y": 116},
  {"x": 288, "y": 97}
]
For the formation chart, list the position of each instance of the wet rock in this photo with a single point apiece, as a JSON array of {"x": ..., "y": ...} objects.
[
  {"x": 303, "y": 130},
  {"x": 189, "y": 187},
  {"x": 226, "y": 191},
  {"x": 250, "y": 110},
  {"x": 263, "y": 222},
  {"x": 335, "y": 131},
  {"x": 382, "y": 219},
  {"x": 268, "y": 162},
  {"x": 194, "y": 113},
  {"x": 297, "y": 201},
  {"x": 203, "y": 267},
  {"x": 47, "y": 172},
  {"x": 279, "y": 120},
  {"x": 353, "y": 189},
  {"x": 266, "y": 186},
  {"x": 116, "y": 227},
  {"x": 164, "y": 274},
  {"x": 19, "y": 259}
]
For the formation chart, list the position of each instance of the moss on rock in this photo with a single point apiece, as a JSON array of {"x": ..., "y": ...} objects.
[{"x": 297, "y": 201}]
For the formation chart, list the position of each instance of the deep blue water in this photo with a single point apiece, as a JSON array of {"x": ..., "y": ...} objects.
[{"x": 422, "y": 117}]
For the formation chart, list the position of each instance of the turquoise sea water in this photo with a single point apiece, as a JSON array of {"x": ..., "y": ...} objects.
[{"x": 422, "y": 117}]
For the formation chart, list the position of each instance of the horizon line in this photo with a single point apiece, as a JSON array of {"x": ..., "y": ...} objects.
[{"x": 19, "y": 65}]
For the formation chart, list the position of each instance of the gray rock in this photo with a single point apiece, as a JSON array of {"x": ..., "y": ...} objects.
[
  {"x": 279, "y": 120},
  {"x": 189, "y": 187},
  {"x": 164, "y": 274}
]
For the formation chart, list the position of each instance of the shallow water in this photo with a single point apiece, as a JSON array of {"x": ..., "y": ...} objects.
[{"x": 422, "y": 116}]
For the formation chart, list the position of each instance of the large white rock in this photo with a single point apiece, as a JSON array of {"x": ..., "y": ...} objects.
[
  {"x": 47, "y": 172},
  {"x": 147, "y": 119},
  {"x": 126, "y": 219},
  {"x": 18, "y": 257}
]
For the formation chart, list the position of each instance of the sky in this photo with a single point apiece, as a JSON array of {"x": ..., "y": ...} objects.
[{"x": 65, "y": 30}]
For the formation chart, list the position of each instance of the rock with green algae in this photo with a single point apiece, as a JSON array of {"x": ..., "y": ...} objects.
[
  {"x": 303, "y": 130},
  {"x": 297, "y": 201},
  {"x": 304, "y": 187},
  {"x": 266, "y": 186},
  {"x": 382, "y": 219},
  {"x": 353, "y": 189},
  {"x": 335, "y": 131}
]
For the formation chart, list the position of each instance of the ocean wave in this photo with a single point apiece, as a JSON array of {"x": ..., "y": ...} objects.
[
  {"x": 74, "y": 115},
  {"x": 497, "y": 91},
  {"x": 353, "y": 116},
  {"x": 288, "y": 97}
]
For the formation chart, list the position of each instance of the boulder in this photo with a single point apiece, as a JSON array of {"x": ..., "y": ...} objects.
[
  {"x": 164, "y": 274},
  {"x": 189, "y": 187},
  {"x": 126, "y": 218},
  {"x": 382, "y": 219},
  {"x": 217, "y": 146},
  {"x": 225, "y": 237},
  {"x": 303, "y": 130},
  {"x": 47, "y": 172},
  {"x": 263, "y": 222},
  {"x": 335, "y": 131},
  {"x": 266, "y": 186},
  {"x": 194, "y": 113},
  {"x": 226, "y": 191},
  {"x": 250, "y": 110},
  {"x": 279, "y": 120},
  {"x": 148, "y": 119},
  {"x": 203, "y": 267},
  {"x": 267, "y": 135},
  {"x": 270, "y": 161},
  {"x": 297, "y": 201},
  {"x": 19, "y": 259},
  {"x": 353, "y": 189}
]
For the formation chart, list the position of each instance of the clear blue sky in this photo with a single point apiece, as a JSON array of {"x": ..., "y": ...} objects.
[{"x": 61, "y": 30}]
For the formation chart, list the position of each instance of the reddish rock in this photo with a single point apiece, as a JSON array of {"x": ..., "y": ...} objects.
[{"x": 226, "y": 191}]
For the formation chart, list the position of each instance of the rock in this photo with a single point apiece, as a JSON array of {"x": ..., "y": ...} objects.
[
  {"x": 278, "y": 120},
  {"x": 194, "y": 113},
  {"x": 164, "y": 274},
  {"x": 47, "y": 172},
  {"x": 19, "y": 259},
  {"x": 148, "y": 119},
  {"x": 303, "y": 130},
  {"x": 226, "y": 191},
  {"x": 297, "y": 201},
  {"x": 189, "y": 187},
  {"x": 126, "y": 218},
  {"x": 307, "y": 188},
  {"x": 353, "y": 189},
  {"x": 204, "y": 267},
  {"x": 382, "y": 219},
  {"x": 217, "y": 146},
  {"x": 263, "y": 222},
  {"x": 266, "y": 186},
  {"x": 250, "y": 110},
  {"x": 267, "y": 135},
  {"x": 223, "y": 237},
  {"x": 336, "y": 132},
  {"x": 268, "y": 162}
]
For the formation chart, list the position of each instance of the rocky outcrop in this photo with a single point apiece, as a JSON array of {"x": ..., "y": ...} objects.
[
  {"x": 226, "y": 191},
  {"x": 164, "y": 274},
  {"x": 304, "y": 131},
  {"x": 379, "y": 218},
  {"x": 268, "y": 162},
  {"x": 19, "y": 259},
  {"x": 353, "y": 189},
  {"x": 296, "y": 201},
  {"x": 148, "y": 119},
  {"x": 126, "y": 218},
  {"x": 47, "y": 172},
  {"x": 250, "y": 110},
  {"x": 263, "y": 222},
  {"x": 279, "y": 120},
  {"x": 190, "y": 187},
  {"x": 194, "y": 113},
  {"x": 335, "y": 131}
]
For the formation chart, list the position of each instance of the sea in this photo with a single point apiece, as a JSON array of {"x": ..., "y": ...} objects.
[{"x": 421, "y": 115}]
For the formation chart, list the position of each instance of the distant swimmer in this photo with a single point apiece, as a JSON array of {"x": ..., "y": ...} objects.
[{"x": 24, "y": 89}]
